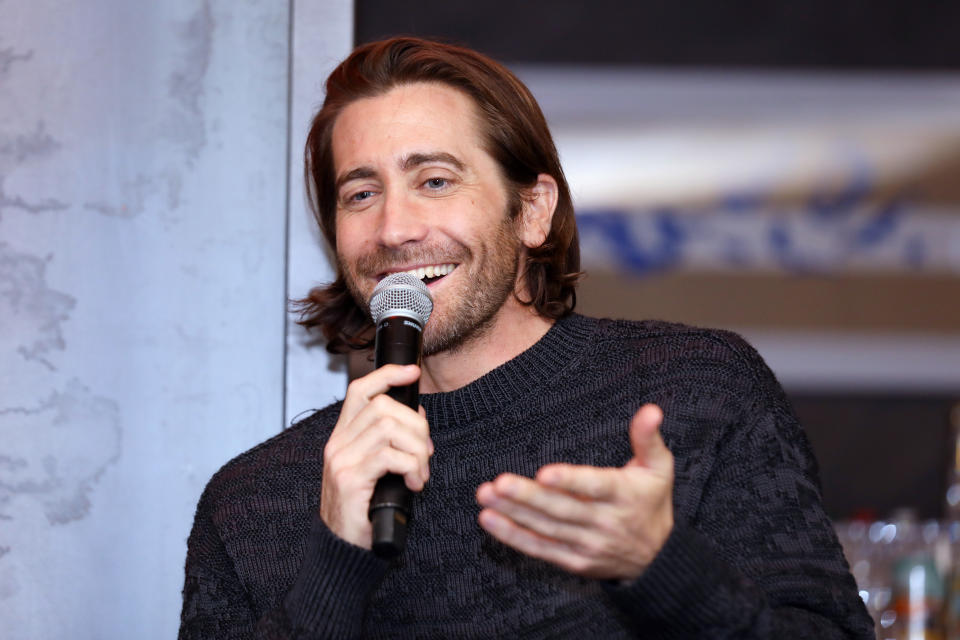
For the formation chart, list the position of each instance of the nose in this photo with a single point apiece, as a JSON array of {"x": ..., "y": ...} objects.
[{"x": 401, "y": 220}]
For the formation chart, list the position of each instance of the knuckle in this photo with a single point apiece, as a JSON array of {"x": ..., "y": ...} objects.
[
  {"x": 341, "y": 476},
  {"x": 608, "y": 523},
  {"x": 386, "y": 423},
  {"x": 329, "y": 450},
  {"x": 396, "y": 461},
  {"x": 382, "y": 402},
  {"x": 423, "y": 452},
  {"x": 580, "y": 564},
  {"x": 329, "y": 460},
  {"x": 568, "y": 512},
  {"x": 592, "y": 547},
  {"x": 355, "y": 387},
  {"x": 422, "y": 427}
]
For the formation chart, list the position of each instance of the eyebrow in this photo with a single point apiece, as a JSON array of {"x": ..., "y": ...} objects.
[
  {"x": 409, "y": 162},
  {"x": 417, "y": 159},
  {"x": 360, "y": 173}
]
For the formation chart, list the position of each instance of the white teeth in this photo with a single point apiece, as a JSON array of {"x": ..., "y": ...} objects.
[{"x": 433, "y": 271}]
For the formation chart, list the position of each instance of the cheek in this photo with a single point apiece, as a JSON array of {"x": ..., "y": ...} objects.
[
  {"x": 349, "y": 238},
  {"x": 340, "y": 250}
]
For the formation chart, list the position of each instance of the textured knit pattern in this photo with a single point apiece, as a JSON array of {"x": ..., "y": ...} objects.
[{"x": 752, "y": 553}]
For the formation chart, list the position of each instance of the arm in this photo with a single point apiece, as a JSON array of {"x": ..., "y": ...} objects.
[
  {"x": 755, "y": 557},
  {"x": 758, "y": 558},
  {"x": 326, "y": 600},
  {"x": 692, "y": 591},
  {"x": 374, "y": 434}
]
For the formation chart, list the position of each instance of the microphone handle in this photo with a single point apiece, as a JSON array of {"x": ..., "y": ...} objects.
[{"x": 398, "y": 342}]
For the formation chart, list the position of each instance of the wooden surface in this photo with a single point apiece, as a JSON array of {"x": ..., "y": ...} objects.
[{"x": 808, "y": 303}]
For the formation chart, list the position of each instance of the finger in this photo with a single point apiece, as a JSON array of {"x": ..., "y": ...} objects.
[
  {"x": 391, "y": 461},
  {"x": 580, "y": 533},
  {"x": 390, "y": 432},
  {"x": 378, "y": 381},
  {"x": 423, "y": 414},
  {"x": 510, "y": 490},
  {"x": 529, "y": 542},
  {"x": 595, "y": 483},
  {"x": 383, "y": 422},
  {"x": 648, "y": 447},
  {"x": 379, "y": 408}
]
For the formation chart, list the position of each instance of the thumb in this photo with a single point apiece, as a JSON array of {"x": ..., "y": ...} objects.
[{"x": 648, "y": 447}]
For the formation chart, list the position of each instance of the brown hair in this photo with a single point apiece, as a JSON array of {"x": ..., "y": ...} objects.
[{"x": 515, "y": 135}]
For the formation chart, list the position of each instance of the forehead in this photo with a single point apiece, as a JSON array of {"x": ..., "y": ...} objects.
[{"x": 420, "y": 117}]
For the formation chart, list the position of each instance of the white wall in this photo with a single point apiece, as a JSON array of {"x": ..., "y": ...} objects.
[
  {"x": 144, "y": 195},
  {"x": 312, "y": 382}
]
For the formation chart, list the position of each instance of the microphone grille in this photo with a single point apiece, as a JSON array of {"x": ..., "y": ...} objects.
[{"x": 401, "y": 294}]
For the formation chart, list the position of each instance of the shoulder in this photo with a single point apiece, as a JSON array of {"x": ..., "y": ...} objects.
[
  {"x": 300, "y": 445},
  {"x": 713, "y": 375},
  {"x": 657, "y": 341},
  {"x": 610, "y": 329},
  {"x": 272, "y": 484},
  {"x": 713, "y": 386},
  {"x": 685, "y": 364}
]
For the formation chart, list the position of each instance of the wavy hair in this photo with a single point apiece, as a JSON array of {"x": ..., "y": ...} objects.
[{"x": 514, "y": 133}]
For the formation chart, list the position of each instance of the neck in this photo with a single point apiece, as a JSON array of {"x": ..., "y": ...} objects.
[{"x": 512, "y": 332}]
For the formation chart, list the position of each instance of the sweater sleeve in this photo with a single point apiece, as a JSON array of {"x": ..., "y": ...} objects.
[
  {"x": 758, "y": 557},
  {"x": 326, "y": 600}
]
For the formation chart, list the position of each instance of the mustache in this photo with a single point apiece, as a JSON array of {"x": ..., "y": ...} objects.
[{"x": 387, "y": 258}]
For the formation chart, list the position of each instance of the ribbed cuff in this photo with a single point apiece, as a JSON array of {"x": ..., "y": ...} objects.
[
  {"x": 687, "y": 590},
  {"x": 331, "y": 592}
]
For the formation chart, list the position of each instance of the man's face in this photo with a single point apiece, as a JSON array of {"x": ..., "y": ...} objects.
[{"x": 417, "y": 192}]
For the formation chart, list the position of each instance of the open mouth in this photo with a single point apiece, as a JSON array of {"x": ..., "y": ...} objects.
[{"x": 432, "y": 273}]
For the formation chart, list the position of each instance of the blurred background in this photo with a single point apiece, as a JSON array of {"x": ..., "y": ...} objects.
[{"x": 790, "y": 171}]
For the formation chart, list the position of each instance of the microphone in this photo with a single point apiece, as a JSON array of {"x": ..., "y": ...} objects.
[{"x": 400, "y": 306}]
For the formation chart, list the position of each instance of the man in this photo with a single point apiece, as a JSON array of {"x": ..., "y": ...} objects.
[{"x": 547, "y": 503}]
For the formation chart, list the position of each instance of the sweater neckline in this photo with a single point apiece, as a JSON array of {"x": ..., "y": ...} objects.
[{"x": 559, "y": 348}]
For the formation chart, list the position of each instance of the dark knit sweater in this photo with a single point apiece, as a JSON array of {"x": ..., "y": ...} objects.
[{"x": 752, "y": 554}]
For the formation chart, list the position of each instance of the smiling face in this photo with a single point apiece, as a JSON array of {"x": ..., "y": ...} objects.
[{"x": 417, "y": 192}]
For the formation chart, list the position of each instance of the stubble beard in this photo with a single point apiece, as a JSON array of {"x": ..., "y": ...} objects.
[{"x": 468, "y": 312}]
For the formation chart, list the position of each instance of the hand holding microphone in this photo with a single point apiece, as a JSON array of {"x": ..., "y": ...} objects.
[
  {"x": 400, "y": 307},
  {"x": 380, "y": 433}
]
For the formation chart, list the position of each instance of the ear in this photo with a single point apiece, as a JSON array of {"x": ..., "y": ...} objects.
[{"x": 539, "y": 203}]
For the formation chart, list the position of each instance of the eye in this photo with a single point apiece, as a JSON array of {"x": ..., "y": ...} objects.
[
  {"x": 357, "y": 200},
  {"x": 436, "y": 183}
]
